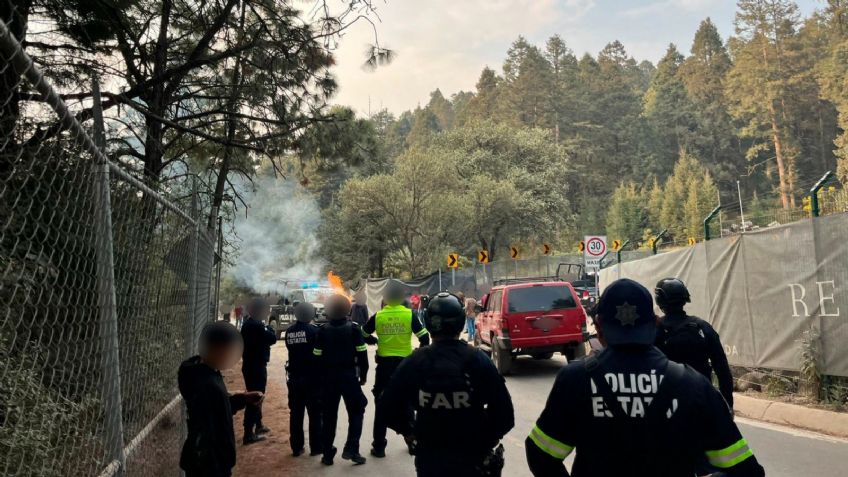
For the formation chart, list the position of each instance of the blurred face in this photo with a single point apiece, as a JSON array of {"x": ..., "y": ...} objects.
[
  {"x": 224, "y": 356},
  {"x": 337, "y": 307},
  {"x": 261, "y": 313}
]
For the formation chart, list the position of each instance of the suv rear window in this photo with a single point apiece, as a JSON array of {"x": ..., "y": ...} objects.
[{"x": 539, "y": 298}]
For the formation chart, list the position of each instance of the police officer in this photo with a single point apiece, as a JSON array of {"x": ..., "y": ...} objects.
[
  {"x": 258, "y": 339},
  {"x": 689, "y": 339},
  {"x": 343, "y": 368},
  {"x": 631, "y": 411},
  {"x": 394, "y": 324},
  {"x": 303, "y": 380},
  {"x": 462, "y": 407}
]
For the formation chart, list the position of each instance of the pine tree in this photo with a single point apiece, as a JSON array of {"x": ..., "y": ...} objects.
[
  {"x": 627, "y": 215},
  {"x": 442, "y": 109},
  {"x": 484, "y": 102},
  {"x": 703, "y": 73},
  {"x": 564, "y": 71},
  {"x": 758, "y": 83},
  {"x": 669, "y": 113},
  {"x": 525, "y": 96}
]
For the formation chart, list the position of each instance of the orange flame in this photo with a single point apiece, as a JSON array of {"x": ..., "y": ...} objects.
[{"x": 337, "y": 285}]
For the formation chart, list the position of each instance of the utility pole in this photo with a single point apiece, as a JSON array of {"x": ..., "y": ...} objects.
[{"x": 741, "y": 211}]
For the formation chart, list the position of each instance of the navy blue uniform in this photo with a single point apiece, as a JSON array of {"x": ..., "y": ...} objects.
[
  {"x": 210, "y": 448},
  {"x": 304, "y": 386},
  {"x": 634, "y": 439},
  {"x": 343, "y": 367},
  {"x": 691, "y": 340},
  {"x": 462, "y": 407},
  {"x": 258, "y": 340}
]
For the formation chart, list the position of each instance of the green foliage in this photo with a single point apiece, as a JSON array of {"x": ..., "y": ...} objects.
[
  {"x": 648, "y": 147},
  {"x": 628, "y": 214},
  {"x": 479, "y": 186}
]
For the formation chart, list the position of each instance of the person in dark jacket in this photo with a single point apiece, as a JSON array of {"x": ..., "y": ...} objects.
[
  {"x": 630, "y": 411},
  {"x": 258, "y": 339},
  {"x": 689, "y": 339},
  {"x": 461, "y": 403},
  {"x": 210, "y": 448},
  {"x": 303, "y": 380},
  {"x": 343, "y": 367},
  {"x": 358, "y": 313}
]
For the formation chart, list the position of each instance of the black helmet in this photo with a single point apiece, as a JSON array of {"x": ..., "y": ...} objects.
[
  {"x": 445, "y": 315},
  {"x": 671, "y": 292}
]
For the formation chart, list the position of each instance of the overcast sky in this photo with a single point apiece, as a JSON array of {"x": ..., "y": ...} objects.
[{"x": 445, "y": 43}]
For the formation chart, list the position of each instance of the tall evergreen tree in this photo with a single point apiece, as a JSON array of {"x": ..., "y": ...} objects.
[
  {"x": 759, "y": 81},
  {"x": 484, "y": 102},
  {"x": 669, "y": 113},
  {"x": 442, "y": 109},
  {"x": 627, "y": 215},
  {"x": 525, "y": 97},
  {"x": 703, "y": 73},
  {"x": 564, "y": 71}
]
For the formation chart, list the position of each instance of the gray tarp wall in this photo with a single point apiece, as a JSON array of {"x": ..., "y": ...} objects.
[{"x": 764, "y": 289}]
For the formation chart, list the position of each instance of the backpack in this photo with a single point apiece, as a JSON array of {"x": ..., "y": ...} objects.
[
  {"x": 449, "y": 410},
  {"x": 685, "y": 342}
]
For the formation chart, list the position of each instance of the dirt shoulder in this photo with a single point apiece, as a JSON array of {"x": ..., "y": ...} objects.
[{"x": 272, "y": 456}]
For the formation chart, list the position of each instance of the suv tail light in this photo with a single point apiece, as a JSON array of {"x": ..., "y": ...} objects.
[{"x": 585, "y": 293}]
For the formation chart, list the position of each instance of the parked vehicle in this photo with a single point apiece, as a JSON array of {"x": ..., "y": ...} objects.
[
  {"x": 282, "y": 314},
  {"x": 534, "y": 318}
]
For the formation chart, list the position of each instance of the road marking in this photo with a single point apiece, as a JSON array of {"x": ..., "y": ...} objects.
[{"x": 791, "y": 431}]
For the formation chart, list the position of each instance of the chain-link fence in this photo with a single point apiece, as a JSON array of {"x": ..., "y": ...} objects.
[{"x": 104, "y": 284}]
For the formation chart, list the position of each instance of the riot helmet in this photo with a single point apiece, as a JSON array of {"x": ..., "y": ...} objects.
[
  {"x": 671, "y": 293},
  {"x": 445, "y": 315}
]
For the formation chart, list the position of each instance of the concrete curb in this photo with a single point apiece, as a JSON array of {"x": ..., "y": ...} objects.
[{"x": 818, "y": 420}]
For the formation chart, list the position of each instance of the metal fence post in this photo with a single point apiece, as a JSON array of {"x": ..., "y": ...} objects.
[
  {"x": 657, "y": 240},
  {"x": 220, "y": 266},
  {"x": 191, "y": 322},
  {"x": 709, "y": 219},
  {"x": 106, "y": 300},
  {"x": 814, "y": 193}
]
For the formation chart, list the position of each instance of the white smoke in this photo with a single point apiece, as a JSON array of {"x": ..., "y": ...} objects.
[{"x": 276, "y": 236}]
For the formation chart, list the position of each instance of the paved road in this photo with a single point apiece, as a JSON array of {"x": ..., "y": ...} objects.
[{"x": 784, "y": 452}]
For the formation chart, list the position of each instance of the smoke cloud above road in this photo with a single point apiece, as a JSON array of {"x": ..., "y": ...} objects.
[{"x": 276, "y": 236}]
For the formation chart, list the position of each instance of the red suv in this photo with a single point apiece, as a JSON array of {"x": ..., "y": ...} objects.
[{"x": 536, "y": 319}]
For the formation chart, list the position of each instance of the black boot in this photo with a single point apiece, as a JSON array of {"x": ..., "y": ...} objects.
[
  {"x": 328, "y": 457},
  {"x": 354, "y": 457},
  {"x": 252, "y": 439},
  {"x": 261, "y": 429}
]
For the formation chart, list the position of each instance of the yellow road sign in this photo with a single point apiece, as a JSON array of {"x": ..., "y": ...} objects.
[
  {"x": 582, "y": 246},
  {"x": 514, "y": 252},
  {"x": 692, "y": 241},
  {"x": 616, "y": 245},
  {"x": 546, "y": 249},
  {"x": 453, "y": 260},
  {"x": 483, "y": 256}
]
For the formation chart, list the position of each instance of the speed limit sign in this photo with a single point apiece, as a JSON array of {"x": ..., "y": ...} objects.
[{"x": 596, "y": 248}]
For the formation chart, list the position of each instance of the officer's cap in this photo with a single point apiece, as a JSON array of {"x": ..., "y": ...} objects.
[{"x": 627, "y": 314}]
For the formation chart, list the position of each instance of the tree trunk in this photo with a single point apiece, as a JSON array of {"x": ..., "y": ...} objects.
[
  {"x": 778, "y": 152},
  {"x": 153, "y": 145},
  {"x": 220, "y": 184}
]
